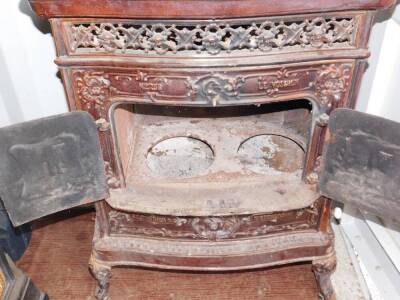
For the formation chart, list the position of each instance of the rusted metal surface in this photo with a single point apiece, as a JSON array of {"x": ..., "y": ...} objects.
[
  {"x": 362, "y": 162},
  {"x": 271, "y": 154},
  {"x": 220, "y": 143},
  {"x": 166, "y": 9},
  {"x": 49, "y": 165},
  {"x": 181, "y": 156},
  {"x": 323, "y": 268},
  {"x": 214, "y": 198},
  {"x": 102, "y": 274}
]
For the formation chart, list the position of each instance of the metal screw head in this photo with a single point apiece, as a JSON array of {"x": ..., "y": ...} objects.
[
  {"x": 323, "y": 119},
  {"x": 102, "y": 124}
]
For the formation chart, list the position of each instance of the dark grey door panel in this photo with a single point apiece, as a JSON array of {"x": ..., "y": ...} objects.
[
  {"x": 361, "y": 163},
  {"x": 49, "y": 165}
]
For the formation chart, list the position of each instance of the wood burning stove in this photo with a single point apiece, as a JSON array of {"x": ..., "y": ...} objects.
[{"x": 212, "y": 118}]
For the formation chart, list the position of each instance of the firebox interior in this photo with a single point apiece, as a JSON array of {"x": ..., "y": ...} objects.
[{"x": 213, "y": 161}]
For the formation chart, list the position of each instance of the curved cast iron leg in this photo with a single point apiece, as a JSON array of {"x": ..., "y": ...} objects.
[
  {"x": 102, "y": 274},
  {"x": 323, "y": 268}
]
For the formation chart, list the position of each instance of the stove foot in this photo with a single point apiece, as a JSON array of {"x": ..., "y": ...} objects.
[
  {"x": 102, "y": 274},
  {"x": 323, "y": 269}
]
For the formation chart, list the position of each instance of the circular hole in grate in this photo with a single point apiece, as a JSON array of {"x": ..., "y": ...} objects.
[
  {"x": 271, "y": 154},
  {"x": 180, "y": 156}
]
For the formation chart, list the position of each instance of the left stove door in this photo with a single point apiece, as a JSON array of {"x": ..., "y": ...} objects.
[{"x": 49, "y": 165}]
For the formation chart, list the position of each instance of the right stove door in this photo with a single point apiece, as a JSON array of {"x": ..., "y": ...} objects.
[{"x": 361, "y": 162}]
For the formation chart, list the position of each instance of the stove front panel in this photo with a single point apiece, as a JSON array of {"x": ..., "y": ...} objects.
[{"x": 99, "y": 90}]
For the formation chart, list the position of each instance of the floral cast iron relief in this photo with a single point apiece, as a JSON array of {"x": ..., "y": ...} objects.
[
  {"x": 212, "y": 228},
  {"x": 96, "y": 88},
  {"x": 264, "y": 35},
  {"x": 311, "y": 214},
  {"x": 216, "y": 88},
  {"x": 124, "y": 223},
  {"x": 329, "y": 83},
  {"x": 93, "y": 90},
  {"x": 332, "y": 83}
]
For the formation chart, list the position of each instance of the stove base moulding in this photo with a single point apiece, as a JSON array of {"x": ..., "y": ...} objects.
[{"x": 313, "y": 241}]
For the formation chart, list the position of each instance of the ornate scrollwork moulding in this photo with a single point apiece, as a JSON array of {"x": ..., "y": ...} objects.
[
  {"x": 211, "y": 228},
  {"x": 328, "y": 84}
]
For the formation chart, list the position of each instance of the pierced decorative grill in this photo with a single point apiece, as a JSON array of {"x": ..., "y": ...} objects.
[{"x": 215, "y": 38}]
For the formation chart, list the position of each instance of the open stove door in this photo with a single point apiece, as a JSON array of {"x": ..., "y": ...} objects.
[
  {"x": 361, "y": 163},
  {"x": 49, "y": 165}
]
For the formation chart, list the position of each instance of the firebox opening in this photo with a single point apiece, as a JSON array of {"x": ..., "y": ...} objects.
[
  {"x": 166, "y": 142},
  {"x": 170, "y": 152}
]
